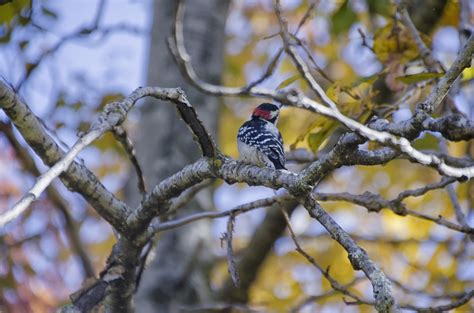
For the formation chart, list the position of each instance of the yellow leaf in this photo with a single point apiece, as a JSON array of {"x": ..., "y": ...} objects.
[
  {"x": 395, "y": 42},
  {"x": 315, "y": 140},
  {"x": 415, "y": 78},
  {"x": 318, "y": 124},
  {"x": 290, "y": 80},
  {"x": 468, "y": 73}
]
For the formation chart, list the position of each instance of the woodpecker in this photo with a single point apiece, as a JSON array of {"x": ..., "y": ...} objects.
[{"x": 259, "y": 141}]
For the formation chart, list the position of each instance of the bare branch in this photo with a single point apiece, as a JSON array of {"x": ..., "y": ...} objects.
[
  {"x": 121, "y": 135},
  {"x": 158, "y": 201},
  {"x": 334, "y": 283},
  {"x": 382, "y": 289},
  {"x": 442, "y": 308},
  {"x": 227, "y": 236},
  {"x": 425, "y": 53},
  {"x": 301, "y": 101},
  {"x": 113, "y": 115},
  {"x": 77, "y": 177},
  {"x": 253, "y": 256},
  {"x": 156, "y": 226},
  {"x": 300, "y": 64},
  {"x": 56, "y": 198},
  {"x": 375, "y": 203},
  {"x": 46, "y": 178},
  {"x": 441, "y": 89}
]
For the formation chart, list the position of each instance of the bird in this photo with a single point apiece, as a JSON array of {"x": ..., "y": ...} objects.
[{"x": 259, "y": 141}]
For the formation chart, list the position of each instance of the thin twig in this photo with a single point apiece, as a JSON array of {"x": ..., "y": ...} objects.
[
  {"x": 121, "y": 135},
  {"x": 442, "y": 308},
  {"x": 445, "y": 181},
  {"x": 334, "y": 283},
  {"x": 188, "y": 195},
  {"x": 327, "y": 294},
  {"x": 425, "y": 53},
  {"x": 441, "y": 89},
  {"x": 375, "y": 203},
  {"x": 299, "y": 100},
  {"x": 156, "y": 226},
  {"x": 364, "y": 40},
  {"x": 230, "y": 252},
  {"x": 460, "y": 216},
  {"x": 77, "y": 34},
  {"x": 300, "y": 64}
]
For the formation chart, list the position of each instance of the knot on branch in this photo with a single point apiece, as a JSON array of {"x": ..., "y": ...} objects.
[
  {"x": 398, "y": 207},
  {"x": 373, "y": 202}
]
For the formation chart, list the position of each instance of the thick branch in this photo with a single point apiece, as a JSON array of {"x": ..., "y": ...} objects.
[
  {"x": 55, "y": 197},
  {"x": 77, "y": 177},
  {"x": 301, "y": 101},
  {"x": 113, "y": 115},
  {"x": 46, "y": 178}
]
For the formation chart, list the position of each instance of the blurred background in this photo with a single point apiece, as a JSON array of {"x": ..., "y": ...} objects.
[{"x": 67, "y": 59}]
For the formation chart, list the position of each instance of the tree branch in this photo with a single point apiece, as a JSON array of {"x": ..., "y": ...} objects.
[
  {"x": 301, "y": 101},
  {"x": 56, "y": 198},
  {"x": 335, "y": 285},
  {"x": 77, "y": 177},
  {"x": 121, "y": 135},
  {"x": 441, "y": 89},
  {"x": 424, "y": 51},
  {"x": 382, "y": 289},
  {"x": 113, "y": 115},
  {"x": 156, "y": 226}
]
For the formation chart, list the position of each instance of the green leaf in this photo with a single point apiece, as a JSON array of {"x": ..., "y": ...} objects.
[
  {"x": 415, "y": 78},
  {"x": 381, "y": 7},
  {"x": 315, "y": 140},
  {"x": 427, "y": 142},
  {"x": 343, "y": 19},
  {"x": 12, "y": 9},
  {"x": 290, "y": 80},
  {"x": 368, "y": 79}
]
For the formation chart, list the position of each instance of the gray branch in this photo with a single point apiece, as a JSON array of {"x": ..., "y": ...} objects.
[{"x": 77, "y": 177}]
